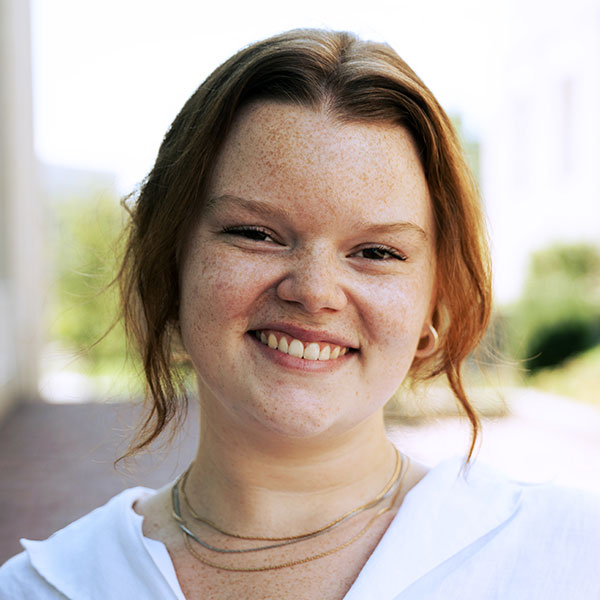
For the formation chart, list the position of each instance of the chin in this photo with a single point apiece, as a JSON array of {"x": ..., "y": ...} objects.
[
  {"x": 309, "y": 420},
  {"x": 297, "y": 424}
]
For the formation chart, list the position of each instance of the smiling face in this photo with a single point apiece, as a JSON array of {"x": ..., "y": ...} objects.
[{"x": 308, "y": 280}]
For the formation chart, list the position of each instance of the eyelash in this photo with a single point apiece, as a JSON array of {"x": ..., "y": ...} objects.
[
  {"x": 246, "y": 231},
  {"x": 387, "y": 250}
]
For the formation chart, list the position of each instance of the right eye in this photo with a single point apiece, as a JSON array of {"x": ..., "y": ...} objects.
[{"x": 250, "y": 232}]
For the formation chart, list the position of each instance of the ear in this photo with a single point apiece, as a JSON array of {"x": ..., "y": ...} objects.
[{"x": 428, "y": 342}]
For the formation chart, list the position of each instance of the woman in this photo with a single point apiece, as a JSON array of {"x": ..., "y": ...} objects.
[{"x": 310, "y": 237}]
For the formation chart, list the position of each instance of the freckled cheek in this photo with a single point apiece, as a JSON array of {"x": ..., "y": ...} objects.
[
  {"x": 222, "y": 289},
  {"x": 395, "y": 314}
]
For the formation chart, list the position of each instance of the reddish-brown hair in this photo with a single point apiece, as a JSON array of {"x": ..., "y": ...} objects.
[{"x": 355, "y": 81}]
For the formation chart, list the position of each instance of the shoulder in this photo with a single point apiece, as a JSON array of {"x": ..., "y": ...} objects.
[
  {"x": 473, "y": 529},
  {"x": 558, "y": 507},
  {"x": 543, "y": 521},
  {"x": 18, "y": 579},
  {"x": 86, "y": 553},
  {"x": 567, "y": 520},
  {"x": 478, "y": 487}
]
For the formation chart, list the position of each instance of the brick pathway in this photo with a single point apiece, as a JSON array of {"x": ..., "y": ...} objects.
[{"x": 56, "y": 464}]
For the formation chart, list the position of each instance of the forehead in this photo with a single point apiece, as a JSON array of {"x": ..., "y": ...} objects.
[{"x": 274, "y": 150}]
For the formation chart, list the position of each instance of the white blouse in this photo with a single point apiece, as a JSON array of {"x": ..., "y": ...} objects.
[{"x": 456, "y": 536}]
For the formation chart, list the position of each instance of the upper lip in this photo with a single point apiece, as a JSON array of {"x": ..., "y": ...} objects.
[{"x": 307, "y": 335}]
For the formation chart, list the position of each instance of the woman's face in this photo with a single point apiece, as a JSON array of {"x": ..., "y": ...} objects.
[{"x": 318, "y": 237}]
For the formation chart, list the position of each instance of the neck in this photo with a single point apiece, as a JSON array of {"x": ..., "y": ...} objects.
[{"x": 276, "y": 486}]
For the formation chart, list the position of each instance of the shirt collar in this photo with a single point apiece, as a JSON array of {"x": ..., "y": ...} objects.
[{"x": 87, "y": 559}]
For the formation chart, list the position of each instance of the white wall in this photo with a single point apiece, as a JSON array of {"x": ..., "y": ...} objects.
[{"x": 21, "y": 269}]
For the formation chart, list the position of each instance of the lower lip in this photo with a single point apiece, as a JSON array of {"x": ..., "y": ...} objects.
[{"x": 301, "y": 364}]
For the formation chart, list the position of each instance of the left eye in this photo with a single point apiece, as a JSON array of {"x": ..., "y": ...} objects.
[{"x": 380, "y": 253}]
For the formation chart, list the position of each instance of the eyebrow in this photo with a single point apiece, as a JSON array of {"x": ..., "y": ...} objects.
[
  {"x": 256, "y": 206},
  {"x": 268, "y": 210},
  {"x": 403, "y": 226}
]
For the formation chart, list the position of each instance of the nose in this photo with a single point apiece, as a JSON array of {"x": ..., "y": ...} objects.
[{"x": 314, "y": 281}]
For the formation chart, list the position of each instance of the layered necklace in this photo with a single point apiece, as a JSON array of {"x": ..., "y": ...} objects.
[{"x": 178, "y": 494}]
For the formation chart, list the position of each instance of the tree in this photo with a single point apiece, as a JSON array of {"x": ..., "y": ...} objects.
[{"x": 559, "y": 313}]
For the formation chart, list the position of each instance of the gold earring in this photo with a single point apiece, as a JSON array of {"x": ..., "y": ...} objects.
[{"x": 433, "y": 340}]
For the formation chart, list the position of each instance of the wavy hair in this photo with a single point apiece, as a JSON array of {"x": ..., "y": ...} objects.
[{"x": 355, "y": 81}]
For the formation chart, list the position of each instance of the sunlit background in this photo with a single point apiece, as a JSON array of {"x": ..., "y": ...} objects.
[{"x": 89, "y": 89}]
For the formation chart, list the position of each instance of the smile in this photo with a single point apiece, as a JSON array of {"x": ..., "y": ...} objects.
[{"x": 299, "y": 349}]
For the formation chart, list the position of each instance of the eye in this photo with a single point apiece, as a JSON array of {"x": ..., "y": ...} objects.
[
  {"x": 380, "y": 253},
  {"x": 250, "y": 232}
]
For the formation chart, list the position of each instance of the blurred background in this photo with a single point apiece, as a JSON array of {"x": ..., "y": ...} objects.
[{"x": 88, "y": 89}]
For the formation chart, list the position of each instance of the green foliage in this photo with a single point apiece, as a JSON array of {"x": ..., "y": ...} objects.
[
  {"x": 577, "y": 377},
  {"x": 559, "y": 313},
  {"x": 85, "y": 241}
]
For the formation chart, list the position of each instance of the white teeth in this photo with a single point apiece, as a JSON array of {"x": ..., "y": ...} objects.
[
  {"x": 311, "y": 352},
  {"x": 283, "y": 345},
  {"x": 324, "y": 354},
  {"x": 296, "y": 348}
]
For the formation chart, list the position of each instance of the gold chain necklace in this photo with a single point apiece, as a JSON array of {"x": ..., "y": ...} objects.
[
  {"x": 188, "y": 544},
  {"x": 179, "y": 490}
]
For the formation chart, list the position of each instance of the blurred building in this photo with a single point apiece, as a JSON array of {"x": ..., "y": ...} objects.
[
  {"x": 21, "y": 267},
  {"x": 541, "y": 144}
]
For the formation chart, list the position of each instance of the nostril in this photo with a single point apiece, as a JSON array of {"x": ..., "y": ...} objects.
[{"x": 312, "y": 293}]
